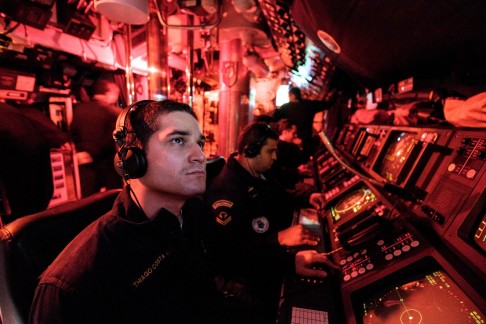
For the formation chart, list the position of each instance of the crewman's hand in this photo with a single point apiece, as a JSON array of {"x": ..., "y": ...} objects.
[
  {"x": 304, "y": 260},
  {"x": 317, "y": 200},
  {"x": 297, "y": 235},
  {"x": 66, "y": 146}
]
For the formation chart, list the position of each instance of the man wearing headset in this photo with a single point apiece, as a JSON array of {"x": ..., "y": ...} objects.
[
  {"x": 144, "y": 261},
  {"x": 253, "y": 217}
]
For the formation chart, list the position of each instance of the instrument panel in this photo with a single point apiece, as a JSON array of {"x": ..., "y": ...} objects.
[{"x": 431, "y": 246}]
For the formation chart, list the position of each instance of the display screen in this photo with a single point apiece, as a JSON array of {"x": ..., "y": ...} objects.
[
  {"x": 432, "y": 297},
  {"x": 346, "y": 137},
  {"x": 399, "y": 146},
  {"x": 282, "y": 95},
  {"x": 480, "y": 234},
  {"x": 352, "y": 204},
  {"x": 361, "y": 137}
]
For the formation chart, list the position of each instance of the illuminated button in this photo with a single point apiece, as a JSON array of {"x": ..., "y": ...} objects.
[
  {"x": 471, "y": 173},
  {"x": 347, "y": 277},
  {"x": 397, "y": 252},
  {"x": 354, "y": 274},
  {"x": 370, "y": 266},
  {"x": 361, "y": 270},
  {"x": 364, "y": 252},
  {"x": 355, "y": 255},
  {"x": 406, "y": 248},
  {"x": 349, "y": 258},
  {"x": 342, "y": 262},
  {"x": 451, "y": 167},
  {"x": 380, "y": 242},
  {"x": 415, "y": 243},
  {"x": 388, "y": 257}
]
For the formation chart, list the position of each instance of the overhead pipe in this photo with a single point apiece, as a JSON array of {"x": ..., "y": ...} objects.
[
  {"x": 190, "y": 61},
  {"x": 157, "y": 57},
  {"x": 130, "y": 82},
  {"x": 233, "y": 95}
]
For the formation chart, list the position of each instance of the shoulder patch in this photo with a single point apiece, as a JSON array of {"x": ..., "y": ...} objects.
[
  {"x": 222, "y": 203},
  {"x": 222, "y": 216}
]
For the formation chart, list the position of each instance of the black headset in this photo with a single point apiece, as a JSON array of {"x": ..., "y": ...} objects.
[
  {"x": 252, "y": 149},
  {"x": 130, "y": 161}
]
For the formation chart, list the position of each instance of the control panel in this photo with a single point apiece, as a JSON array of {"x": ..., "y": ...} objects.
[
  {"x": 469, "y": 159},
  {"x": 460, "y": 174},
  {"x": 332, "y": 177},
  {"x": 377, "y": 254},
  {"x": 366, "y": 232}
]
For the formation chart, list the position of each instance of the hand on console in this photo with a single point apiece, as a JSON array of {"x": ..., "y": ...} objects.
[
  {"x": 305, "y": 262},
  {"x": 297, "y": 235}
]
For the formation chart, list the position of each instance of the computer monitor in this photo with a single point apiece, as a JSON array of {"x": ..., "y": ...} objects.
[
  {"x": 357, "y": 216},
  {"x": 398, "y": 155},
  {"x": 346, "y": 137},
  {"x": 367, "y": 144},
  {"x": 479, "y": 235},
  {"x": 351, "y": 204},
  {"x": 420, "y": 293},
  {"x": 282, "y": 95},
  {"x": 466, "y": 235}
]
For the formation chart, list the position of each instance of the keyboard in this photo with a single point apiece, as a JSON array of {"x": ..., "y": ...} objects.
[{"x": 308, "y": 316}]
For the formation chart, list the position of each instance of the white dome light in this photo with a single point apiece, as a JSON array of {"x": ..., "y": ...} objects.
[{"x": 133, "y": 12}]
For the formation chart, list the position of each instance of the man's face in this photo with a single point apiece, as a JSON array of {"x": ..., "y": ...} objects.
[
  {"x": 176, "y": 164},
  {"x": 293, "y": 98},
  {"x": 112, "y": 95},
  {"x": 268, "y": 154},
  {"x": 288, "y": 135}
]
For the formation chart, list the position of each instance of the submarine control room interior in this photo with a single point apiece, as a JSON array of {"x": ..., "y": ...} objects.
[{"x": 397, "y": 147}]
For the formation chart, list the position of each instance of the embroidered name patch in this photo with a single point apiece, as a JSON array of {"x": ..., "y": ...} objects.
[
  {"x": 260, "y": 224},
  {"x": 148, "y": 272}
]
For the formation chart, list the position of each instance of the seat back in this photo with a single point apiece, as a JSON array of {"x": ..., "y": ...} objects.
[
  {"x": 213, "y": 167},
  {"x": 30, "y": 244}
]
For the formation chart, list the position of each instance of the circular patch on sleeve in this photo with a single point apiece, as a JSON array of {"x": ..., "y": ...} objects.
[{"x": 260, "y": 224}]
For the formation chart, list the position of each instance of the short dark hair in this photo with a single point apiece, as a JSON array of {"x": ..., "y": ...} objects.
[
  {"x": 257, "y": 132},
  {"x": 265, "y": 119},
  {"x": 296, "y": 92},
  {"x": 285, "y": 124},
  {"x": 102, "y": 86},
  {"x": 143, "y": 119}
]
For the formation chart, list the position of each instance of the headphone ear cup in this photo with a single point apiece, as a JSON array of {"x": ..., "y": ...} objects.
[
  {"x": 251, "y": 150},
  {"x": 131, "y": 163},
  {"x": 135, "y": 162}
]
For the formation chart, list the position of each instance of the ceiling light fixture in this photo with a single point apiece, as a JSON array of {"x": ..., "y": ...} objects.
[
  {"x": 132, "y": 12},
  {"x": 329, "y": 41}
]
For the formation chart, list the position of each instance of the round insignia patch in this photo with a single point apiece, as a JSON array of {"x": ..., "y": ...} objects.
[{"x": 260, "y": 224}]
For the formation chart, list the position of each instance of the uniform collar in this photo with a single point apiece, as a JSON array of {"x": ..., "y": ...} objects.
[{"x": 234, "y": 165}]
